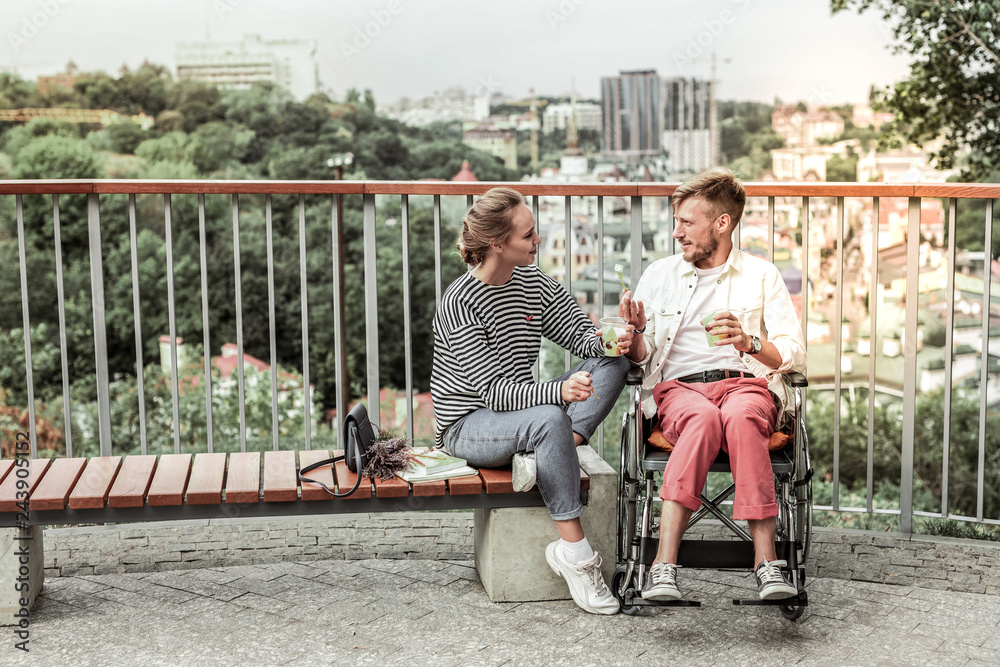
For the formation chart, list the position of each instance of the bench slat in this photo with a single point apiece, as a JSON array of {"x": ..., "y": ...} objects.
[
  {"x": 438, "y": 488},
  {"x": 345, "y": 481},
  {"x": 169, "y": 480},
  {"x": 205, "y": 485},
  {"x": 393, "y": 487},
  {"x": 243, "y": 479},
  {"x": 325, "y": 474},
  {"x": 280, "y": 480},
  {"x": 465, "y": 486},
  {"x": 496, "y": 480},
  {"x": 53, "y": 491},
  {"x": 584, "y": 480},
  {"x": 132, "y": 483},
  {"x": 8, "y": 490},
  {"x": 91, "y": 492}
]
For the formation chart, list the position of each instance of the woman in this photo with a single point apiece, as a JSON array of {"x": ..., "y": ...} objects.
[{"x": 489, "y": 409}]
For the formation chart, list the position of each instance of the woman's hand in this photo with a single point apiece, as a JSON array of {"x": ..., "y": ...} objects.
[
  {"x": 632, "y": 310},
  {"x": 577, "y": 388}
]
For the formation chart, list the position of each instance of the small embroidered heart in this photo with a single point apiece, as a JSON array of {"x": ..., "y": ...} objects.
[{"x": 528, "y": 318}]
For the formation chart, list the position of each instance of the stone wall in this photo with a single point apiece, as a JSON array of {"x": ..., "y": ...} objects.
[{"x": 890, "y": 558}]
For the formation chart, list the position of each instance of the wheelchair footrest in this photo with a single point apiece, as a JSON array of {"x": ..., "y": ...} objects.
[
  {"x": 642, "y": 602},
  {"x": 800, "y": 600}
]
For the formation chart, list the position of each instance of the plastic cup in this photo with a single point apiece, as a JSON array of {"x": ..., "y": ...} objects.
[
  {"x": 612, "y": 328},
  {"x": 706, "y": 320}
]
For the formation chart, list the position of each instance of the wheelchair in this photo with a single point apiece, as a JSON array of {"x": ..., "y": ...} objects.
[{"x": 636, "y": 541}]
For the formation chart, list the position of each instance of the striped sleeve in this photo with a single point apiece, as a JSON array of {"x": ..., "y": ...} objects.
[{"x": 566, "y": 325}]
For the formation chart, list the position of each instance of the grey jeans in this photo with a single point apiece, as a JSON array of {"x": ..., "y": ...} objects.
[{"x": 490, "y": 439}]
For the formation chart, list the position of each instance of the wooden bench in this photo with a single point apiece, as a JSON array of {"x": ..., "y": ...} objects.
[
  {"x": 126, "y": 489},
  {"x": 120, "y": 489}
]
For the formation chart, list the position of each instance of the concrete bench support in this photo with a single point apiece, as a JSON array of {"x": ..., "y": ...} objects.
[
  {"x": 510, "y": 542},
  {"x": 22, "y": 561}
]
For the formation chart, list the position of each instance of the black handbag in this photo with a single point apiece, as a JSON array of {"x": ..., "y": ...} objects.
[{"x": 360, "y": 434}]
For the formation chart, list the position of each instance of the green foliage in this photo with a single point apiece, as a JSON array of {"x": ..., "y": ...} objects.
[
  {"x": 842, "y": 169},
  {"x": 746, "y": 138},
  {"x": 124, "y": 136},
  {"x": 887, "y": 451},
  {"x": 953, "y": 91}
]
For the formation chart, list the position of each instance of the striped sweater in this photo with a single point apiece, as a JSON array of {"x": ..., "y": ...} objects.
[{"x": 486, "y": 340}]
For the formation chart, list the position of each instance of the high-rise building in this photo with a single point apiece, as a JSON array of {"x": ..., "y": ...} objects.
[
  {"x": 631, "y": 114},
  {"x": 290, "y": 64},
  {"x": 690, "y": 138}
]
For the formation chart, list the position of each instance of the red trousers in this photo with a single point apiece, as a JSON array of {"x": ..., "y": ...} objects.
[{"x": 735, "y": 415}]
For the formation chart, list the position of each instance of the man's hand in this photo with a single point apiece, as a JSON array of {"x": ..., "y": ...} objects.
[
  {"x": 725, "y": 323},
  {"x": 633, "y": 311},
  {"x": 577, "y": 388}
]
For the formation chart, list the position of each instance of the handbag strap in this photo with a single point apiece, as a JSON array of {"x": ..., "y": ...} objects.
[{"x": 320, "y": 464}]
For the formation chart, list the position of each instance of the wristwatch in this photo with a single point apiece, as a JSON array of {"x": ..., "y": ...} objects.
[{"x": 755, "y": 345}]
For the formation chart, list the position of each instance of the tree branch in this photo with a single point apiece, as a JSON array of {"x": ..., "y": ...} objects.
[{"x": 973, "y": 35}]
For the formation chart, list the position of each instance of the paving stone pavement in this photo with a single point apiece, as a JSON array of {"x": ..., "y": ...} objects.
[{"x": 393, "y": 612}]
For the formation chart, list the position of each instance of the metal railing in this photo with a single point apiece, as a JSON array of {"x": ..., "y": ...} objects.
[{"x": 817, "y": 229}]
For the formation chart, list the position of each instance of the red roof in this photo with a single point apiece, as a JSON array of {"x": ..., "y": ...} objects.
[{"x": 465, "y": 173}]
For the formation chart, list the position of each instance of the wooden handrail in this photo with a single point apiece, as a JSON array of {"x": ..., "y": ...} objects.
[{"x": 127, "y": 186}]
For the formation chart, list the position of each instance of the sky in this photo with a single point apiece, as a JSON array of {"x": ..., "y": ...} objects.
[{"x": 790, "y": 49}]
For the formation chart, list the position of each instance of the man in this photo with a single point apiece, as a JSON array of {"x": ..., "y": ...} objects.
[{"x": 714, "y": 395}]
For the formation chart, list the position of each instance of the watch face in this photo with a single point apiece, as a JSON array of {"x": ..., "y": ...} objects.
[{"x": 755, "y": 346}]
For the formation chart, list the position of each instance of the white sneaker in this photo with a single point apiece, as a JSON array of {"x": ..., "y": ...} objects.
[
  {"x": 523, "y": 472},
  {"x": 586, "y": 584},
  {"x": 661, "y": 583}
]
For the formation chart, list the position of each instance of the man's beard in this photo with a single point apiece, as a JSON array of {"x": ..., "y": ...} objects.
[{"x": 706, "y": 251}]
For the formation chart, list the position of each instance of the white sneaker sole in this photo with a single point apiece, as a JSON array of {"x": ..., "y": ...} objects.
[
  {"x": 661, "y": 596},
  {"x": 523, "y": 475},
  {"x": 778, "y": 593}
]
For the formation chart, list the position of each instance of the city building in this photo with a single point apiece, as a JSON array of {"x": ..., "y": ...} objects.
[
  {"x": 631, "y": 115},
  {"x": 806, "y": 128},
  {"x": 64, "y": 81},
  {"x": 690, "y": 134},
  {"x": 808, "y": 163},
  {"x": 290, "y": 64},
  {"x": 906, "y": 165},
  {"x": 499, "y": 142},
  {"x": 451, "y": 105},
  {"x": 556, "y": 116}
]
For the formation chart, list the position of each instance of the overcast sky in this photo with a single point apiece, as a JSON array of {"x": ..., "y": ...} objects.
[{"x": 792, "y": 49}]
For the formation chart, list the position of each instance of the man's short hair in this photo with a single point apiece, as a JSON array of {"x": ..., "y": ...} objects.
[{"x": 721, "y": 190}]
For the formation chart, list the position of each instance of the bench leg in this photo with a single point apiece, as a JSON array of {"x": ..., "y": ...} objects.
[
  {"x": 22, "y": 567},
  {"x": 510, "y": 542}
]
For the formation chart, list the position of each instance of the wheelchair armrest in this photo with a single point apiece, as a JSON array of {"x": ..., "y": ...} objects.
[
  {"x": 634, "y": 376},
  {"x": 797, "y": 379}
]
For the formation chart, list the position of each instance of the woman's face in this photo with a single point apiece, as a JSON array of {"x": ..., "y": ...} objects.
[{"x": 521, "y": 245}]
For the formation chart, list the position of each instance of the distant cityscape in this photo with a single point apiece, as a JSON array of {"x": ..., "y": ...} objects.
[{"x": 652, "y": 128}]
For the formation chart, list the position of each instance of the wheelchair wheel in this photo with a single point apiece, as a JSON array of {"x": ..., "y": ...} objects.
[
  {"x": 619, "y": 584},
  {"x": 791, "y": 612}
]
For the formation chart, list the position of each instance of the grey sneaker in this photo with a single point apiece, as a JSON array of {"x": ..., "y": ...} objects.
[
  {"x": 586, "y": 584},
  {"x": 523, "y": 472},
  {"x": 771, "y": 581},
  {"x": 661, "y": 583}
]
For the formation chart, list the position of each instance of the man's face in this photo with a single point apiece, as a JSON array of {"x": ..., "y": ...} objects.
[{"x": 697, "y": 233}]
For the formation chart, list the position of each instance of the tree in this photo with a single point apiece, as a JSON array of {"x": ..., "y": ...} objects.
[
  {"x": 953, "y": 92},
  {"x": 124, "y": 136}
]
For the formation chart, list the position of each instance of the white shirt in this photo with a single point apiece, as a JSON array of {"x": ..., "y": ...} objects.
[
  {"x": 749, "y": 287},
  {"x": 690, "y": 351}
]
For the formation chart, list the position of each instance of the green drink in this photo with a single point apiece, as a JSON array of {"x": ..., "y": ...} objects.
[{"x": 706, "y": 321}]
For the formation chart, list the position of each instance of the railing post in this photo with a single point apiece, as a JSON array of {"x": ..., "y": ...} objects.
[
  {"x": 910, "y": 365},
  {"x": 100, "y": 335},
  {"x": 371, "y": 310},
  {"x": 26, "y": 323},
  {"x": 636, "y": 241}
]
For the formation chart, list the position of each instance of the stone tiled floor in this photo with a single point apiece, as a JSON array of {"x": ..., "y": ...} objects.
[{"x": 389, "y": 612}]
